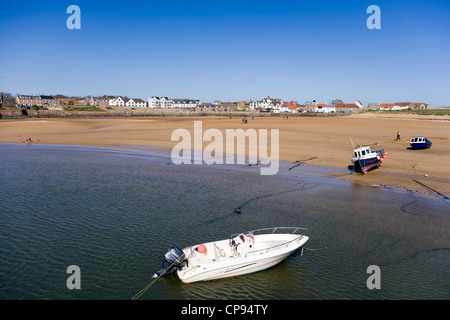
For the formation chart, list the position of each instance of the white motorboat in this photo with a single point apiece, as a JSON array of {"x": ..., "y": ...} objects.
[{"x": 240, "y": 254}]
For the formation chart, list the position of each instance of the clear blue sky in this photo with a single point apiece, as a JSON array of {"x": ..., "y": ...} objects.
[{"x": 229, "y": 50}]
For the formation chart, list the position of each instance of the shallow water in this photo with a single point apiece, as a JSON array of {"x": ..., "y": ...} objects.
[{"x": 115, "y": 212}]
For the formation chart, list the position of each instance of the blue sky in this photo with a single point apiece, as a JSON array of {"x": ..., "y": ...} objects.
[{"x": 229, "y": 50}]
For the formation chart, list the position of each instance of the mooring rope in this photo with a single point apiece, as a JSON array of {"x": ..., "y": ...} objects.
[
  {"x": 140, "y": 293},
  {"x": 315, "y": 249},
  {"x": 301, "y": 254}
]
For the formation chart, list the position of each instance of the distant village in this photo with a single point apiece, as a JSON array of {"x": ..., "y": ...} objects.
[{"x": 268, "y": 104}]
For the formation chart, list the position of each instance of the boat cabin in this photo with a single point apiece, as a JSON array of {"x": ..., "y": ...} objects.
[
  {"x": 362, "y": 152},
  {"x": 418, "y": 140}
]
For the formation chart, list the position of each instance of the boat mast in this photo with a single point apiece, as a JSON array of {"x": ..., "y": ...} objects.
[{"x": 351, "y": 142}]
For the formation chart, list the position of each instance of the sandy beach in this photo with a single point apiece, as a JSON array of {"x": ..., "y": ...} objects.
[{"x": 315, "y": 140}]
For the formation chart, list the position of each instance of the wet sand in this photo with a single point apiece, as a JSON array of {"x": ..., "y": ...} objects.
[{"x": 321, "y": 141}]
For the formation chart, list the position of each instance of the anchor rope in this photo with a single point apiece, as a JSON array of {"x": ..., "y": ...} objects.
[
  {"x": 315, "y": 249},
  {"x": 140, "y": 293}
]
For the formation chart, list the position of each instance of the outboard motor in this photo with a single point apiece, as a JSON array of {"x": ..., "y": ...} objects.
[{"x": 174, "y": 259}]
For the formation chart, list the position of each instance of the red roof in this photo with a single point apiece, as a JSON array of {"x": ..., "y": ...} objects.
[
  {"x": 293, "y": 105},
  {"x": 386, "y": 105},
  {"x": 346, "y": 105}
]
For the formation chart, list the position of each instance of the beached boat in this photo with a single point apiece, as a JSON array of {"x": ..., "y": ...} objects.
[
  {"x": 365, "y": 160},
  {"x": 240, "y": 254},
  {"x": 420, "y": 143}
]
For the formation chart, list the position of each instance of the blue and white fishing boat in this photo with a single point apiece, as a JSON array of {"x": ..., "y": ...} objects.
[
  {"x": 365, "y": 160},
  {"x": 420, "y": 143}
]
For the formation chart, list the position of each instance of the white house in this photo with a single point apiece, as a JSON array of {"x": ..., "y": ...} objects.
[
  {"x": 140, "y": 103},
  {"x": 324, "y": 108},
  {"x": 253, "y": 104},
  {"x": 129, "y": 103},
  {"x": 117, "y": 102},
  {"x": 329, "y": 108},
  {"x": 320, "y": 107},
  {"x": 401, "y": 106},
  {"x": 158, "y": 102},
  {"x": 359, "y": 104},
  {"x": 282, "y": 107},
  {"x": 386, "y": 106},
  {"x": 268, "y": 103},
  {"x": 135, "y": 102},
  {"x": 184, "y": 103}
]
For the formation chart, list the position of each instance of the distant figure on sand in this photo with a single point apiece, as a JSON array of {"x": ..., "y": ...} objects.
[
  {"x": 398, "y": 136},
  {"x": 20, "y": 138}
]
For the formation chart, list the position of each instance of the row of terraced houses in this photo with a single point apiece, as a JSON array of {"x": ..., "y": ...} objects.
[
  {"x": 23, "y": 100},
  {"x": 266, "y": 104}
]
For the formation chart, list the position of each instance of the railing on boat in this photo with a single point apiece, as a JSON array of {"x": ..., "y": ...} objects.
[
  {"x": 267, "y": 231},
  {"x": 295, "y": 229}
]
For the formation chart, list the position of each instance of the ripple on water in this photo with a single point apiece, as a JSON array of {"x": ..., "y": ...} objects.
[{"x": 115, "y": 212}]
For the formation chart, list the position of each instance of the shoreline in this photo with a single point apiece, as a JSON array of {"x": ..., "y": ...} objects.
[
  {"x": 322, "y": 141},
  {"x": 320, "y": 170}
]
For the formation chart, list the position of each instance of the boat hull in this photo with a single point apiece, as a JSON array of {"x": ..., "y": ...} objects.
[
  {"x": 230, "y": 266},
  {"x": 418, "y": 143},
  {"x": 365, "y": 165},
  {"x": 227, "y": 271},
  {"x": 423, "y": 145}
]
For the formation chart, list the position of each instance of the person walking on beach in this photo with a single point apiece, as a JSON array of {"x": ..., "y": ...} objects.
[
  {"x": 20, "y": 138},
  {"x": 398, "y": 136}
]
